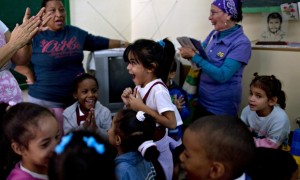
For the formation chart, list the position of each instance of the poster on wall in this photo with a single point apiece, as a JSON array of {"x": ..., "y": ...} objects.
[
  {"x": 274, "y": 27},
  {"x": 289, "y": 11}
]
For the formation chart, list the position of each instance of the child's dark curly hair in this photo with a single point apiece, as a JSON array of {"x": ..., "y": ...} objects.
[{"x": 272, "y": 86}]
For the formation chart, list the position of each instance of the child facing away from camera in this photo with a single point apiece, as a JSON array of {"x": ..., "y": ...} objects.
[
  {"x": 30, "y": 135},
  {"x": 147, "y": 63},
  {"x": 265, "y": 115},
  {"x": 87, "y": 112},
  {"x": 217, "y": 147},
  {"x": 272, "y": 163},
  {"x": 82, "y": 154},
  {"x": 132, "y": 134}
]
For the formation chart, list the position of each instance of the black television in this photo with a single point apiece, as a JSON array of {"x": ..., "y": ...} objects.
[{"x": 112, "y": 76}]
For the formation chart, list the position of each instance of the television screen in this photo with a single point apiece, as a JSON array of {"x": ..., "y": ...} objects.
[
  {"x": 111, "y": 73},
  {"x": 119, "y": 78}
]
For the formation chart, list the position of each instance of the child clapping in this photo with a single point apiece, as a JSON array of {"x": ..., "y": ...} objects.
[{"x": 87, "y": 112}]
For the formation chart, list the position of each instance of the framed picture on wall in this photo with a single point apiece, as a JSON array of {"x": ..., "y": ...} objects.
[
  {"x": 274, "y": 27},
  {"x": 289, "y": 11}
]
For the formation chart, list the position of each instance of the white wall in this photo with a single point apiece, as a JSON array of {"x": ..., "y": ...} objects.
[
  {"x": 110, "y": 18},
  {"x": 157, "y": 19},
  {"x": 135, "y": 19},
  {"x": 170, "y": 18}
]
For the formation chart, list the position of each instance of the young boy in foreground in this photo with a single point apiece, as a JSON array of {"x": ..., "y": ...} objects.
[{"x": 217, "y": 147}]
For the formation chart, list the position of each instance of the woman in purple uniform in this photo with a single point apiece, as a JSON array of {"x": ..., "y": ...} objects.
[{"x": 228, "y": 50}]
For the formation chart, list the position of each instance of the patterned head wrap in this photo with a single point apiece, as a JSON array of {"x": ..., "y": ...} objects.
[{"x": 227, "y": 6}]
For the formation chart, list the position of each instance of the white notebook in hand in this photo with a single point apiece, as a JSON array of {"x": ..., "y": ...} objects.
[
  {"x": 196, "y": 45},
  {"x": 185, "y": 41}
]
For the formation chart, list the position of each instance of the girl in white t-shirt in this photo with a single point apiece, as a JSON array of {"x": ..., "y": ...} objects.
[
  {"x": 149, "y": 63},
  {"x": 265, "y": 113}
]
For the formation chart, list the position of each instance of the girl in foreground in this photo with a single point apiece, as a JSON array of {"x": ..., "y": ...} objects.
[
  {"x": 30, "y": 135},
  {"x": 132, "y": 134}
]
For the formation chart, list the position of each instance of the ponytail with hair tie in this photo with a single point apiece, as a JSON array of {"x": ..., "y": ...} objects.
[{"x": 162, "y": 43}]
